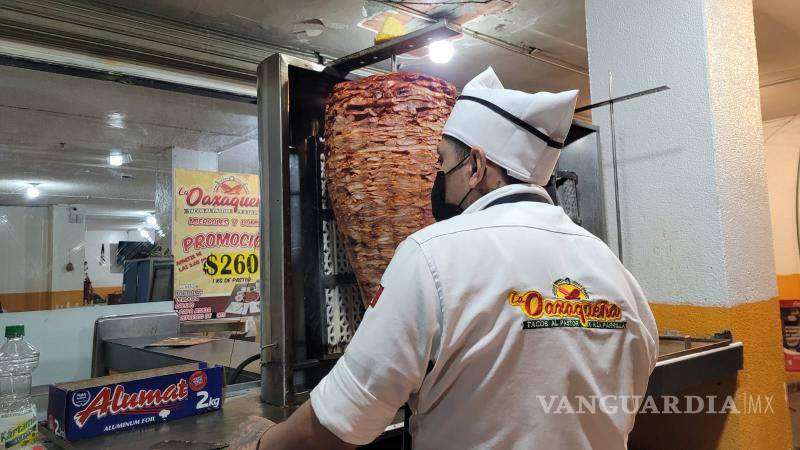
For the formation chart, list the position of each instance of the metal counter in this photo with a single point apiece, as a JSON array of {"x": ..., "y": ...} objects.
[
  {"x": 132, "y": 354},
  {"x": 217, "y": 427},
  {"x": 683, "y": 362}
]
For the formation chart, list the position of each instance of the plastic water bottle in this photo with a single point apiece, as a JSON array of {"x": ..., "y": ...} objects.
[{"x": 18, "y": 359}]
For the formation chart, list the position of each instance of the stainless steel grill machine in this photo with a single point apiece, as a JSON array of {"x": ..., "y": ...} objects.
[{"x": 310, "y": 302}]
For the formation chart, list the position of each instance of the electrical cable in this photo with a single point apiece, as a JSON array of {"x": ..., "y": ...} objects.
[
  {"x": 780, "y": 128},
  {"x": 230, "y": 358},
  {"x": 240, "y": 368}
]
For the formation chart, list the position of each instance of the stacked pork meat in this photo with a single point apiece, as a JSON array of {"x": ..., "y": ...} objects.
[{"x": 381, "y": 136}]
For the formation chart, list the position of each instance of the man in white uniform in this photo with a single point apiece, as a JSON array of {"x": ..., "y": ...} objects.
[{"x": 504, "y": 327}]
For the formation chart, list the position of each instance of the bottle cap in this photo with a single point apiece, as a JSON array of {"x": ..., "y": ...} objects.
[{"x": 15, "y": 331}]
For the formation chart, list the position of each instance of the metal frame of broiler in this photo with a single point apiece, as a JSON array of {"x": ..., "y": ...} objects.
[{"x": 310, "y": 303}]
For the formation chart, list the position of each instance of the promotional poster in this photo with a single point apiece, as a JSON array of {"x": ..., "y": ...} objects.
[
  {"x": 790, "y": 323},
  {"x": 216, "y": 244}
]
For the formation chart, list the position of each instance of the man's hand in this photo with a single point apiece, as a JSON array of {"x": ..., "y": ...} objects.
[
  {"x": 249, "y": 433},
  {"x": 301, "y": 430}
]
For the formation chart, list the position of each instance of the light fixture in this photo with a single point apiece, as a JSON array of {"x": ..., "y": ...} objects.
[
  {"x": 151, "y": 220},
  {"x": 32, "y": 191},
  {"x": 116, "y": 159},
  {"x": 116, "y": 120},
  {"x": 441, "y": 52},
  {"x": 146, "y": 235}
]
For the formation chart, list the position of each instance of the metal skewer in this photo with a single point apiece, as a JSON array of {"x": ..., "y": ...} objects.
[
  {"x": 610, "y": 102},
  {"x": 622, "y": 98},
  {"x": 614, "y": 164}
]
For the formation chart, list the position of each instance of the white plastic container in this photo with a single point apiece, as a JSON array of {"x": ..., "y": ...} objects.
[{"x": 18, "y": 359}]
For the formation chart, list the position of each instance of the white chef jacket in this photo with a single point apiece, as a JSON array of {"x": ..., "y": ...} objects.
[{"x": 460, "y": 333}]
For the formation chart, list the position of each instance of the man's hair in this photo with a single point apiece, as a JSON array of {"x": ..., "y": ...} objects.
[{"x": 462, "y": 150}]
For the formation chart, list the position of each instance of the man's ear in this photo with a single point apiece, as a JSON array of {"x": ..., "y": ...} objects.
[{"x": 477, "y": 166}]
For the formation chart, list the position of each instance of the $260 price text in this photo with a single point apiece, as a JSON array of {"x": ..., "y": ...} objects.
[{"x": 220, "y": 265}]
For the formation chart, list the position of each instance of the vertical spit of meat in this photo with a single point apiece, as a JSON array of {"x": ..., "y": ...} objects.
[{"x": 381, "y": 134}]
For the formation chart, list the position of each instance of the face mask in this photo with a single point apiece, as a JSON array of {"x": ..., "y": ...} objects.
[{"x": 440, "y": 208}]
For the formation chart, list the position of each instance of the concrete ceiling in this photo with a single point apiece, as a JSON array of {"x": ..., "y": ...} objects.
[
  {"x": 59, "y": 130},
  {"x": 777, "y": 24},
  {"x": 556, "y": 27}
]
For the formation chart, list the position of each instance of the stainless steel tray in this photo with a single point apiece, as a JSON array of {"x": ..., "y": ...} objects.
[{"x": 674, "y": 346}]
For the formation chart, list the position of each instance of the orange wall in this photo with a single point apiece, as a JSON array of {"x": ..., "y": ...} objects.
[
  {"x": 757, "y": 325},
  {"x": 66, "y": 299},
  {"x": 38, "y": 301},
  {"x": 25, "y": 301},
  {"x": 104, "y": 291},
  {"x": 789, "y": 287}
]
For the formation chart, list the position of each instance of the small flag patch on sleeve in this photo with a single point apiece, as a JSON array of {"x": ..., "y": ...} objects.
[{"x": 377, "y": 296}]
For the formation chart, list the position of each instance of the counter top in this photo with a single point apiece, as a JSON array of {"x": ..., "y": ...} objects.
[
  {"x": 217, "y": 427},
  {"x": 680, "y": 366},
  {"x": 681, "y": 371},
  {"x": 214, "y": 427},
  {"x": 131, "y": 354}
]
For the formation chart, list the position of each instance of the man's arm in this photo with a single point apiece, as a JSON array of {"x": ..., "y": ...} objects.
[
  {"x": 384, "y": 363},
  {"x": 301, "y": 430}
]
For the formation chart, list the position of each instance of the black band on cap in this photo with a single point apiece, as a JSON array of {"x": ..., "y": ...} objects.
[{"x": 514, "y": 119}]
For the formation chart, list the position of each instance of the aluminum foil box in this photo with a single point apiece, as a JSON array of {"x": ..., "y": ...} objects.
[{"x": 82, "y": 409}]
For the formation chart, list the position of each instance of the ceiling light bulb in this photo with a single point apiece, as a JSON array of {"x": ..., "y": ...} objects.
[
  {"x": 441, "y": 52},
  {"x": 32, "y": 192},
  {"x": 116, "y": 120},
  {"x": 151, "y": 220},
  {"x": 116, "y": 160}
]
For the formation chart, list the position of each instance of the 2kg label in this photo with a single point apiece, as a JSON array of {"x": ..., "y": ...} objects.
[{"x": 206, "y": 401}]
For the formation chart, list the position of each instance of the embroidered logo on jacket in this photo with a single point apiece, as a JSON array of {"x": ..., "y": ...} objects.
[{"x": 570, "y": 307}]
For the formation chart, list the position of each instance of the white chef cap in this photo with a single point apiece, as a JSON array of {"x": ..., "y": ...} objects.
[{"x": 520, "y": 132}]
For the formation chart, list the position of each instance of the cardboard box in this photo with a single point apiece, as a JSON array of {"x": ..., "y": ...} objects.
[{"x": 82, "y": 409}]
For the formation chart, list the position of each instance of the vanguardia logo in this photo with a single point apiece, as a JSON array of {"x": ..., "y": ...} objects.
[{"x": 668, "y": 404}]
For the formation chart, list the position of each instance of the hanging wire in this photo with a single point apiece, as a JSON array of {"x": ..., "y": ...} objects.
[{"x": 780, "y": 128}]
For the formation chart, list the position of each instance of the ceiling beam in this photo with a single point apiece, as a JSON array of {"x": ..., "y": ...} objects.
[
  {"x": 779, "y": 77},
  {"x": 112, "y": 31},
  {"x": 534, "y": 53}
]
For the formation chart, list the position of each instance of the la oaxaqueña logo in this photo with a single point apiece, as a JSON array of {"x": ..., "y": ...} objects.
[
  {"x": 231, "y": 185},
  {"x": 228, "y": 191},
  {"x": 570, "y": 307},
  {"x": 145, "y": 401}
]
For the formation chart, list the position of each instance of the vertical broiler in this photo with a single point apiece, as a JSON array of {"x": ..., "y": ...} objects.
[
  {"x": 347, "y": 167},
  {"x": 381, "y": 134}
]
